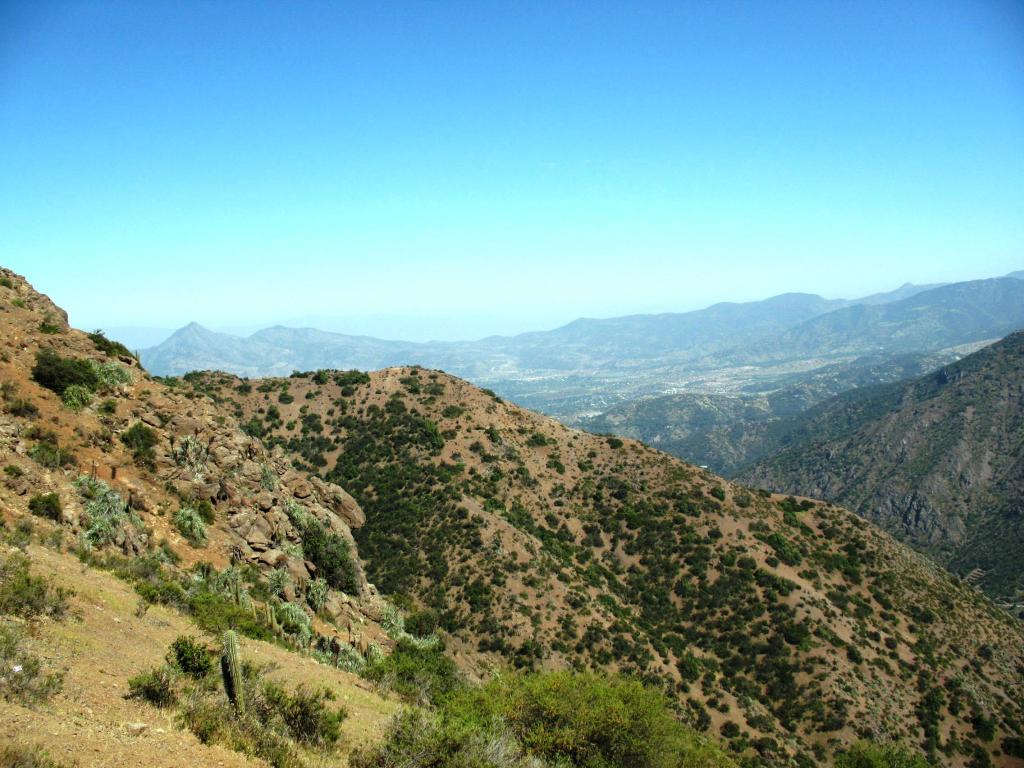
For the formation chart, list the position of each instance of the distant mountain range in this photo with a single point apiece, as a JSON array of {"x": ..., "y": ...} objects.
[
  {"x": 937, "y": 461},
  {"x": 590, "y": 365}
]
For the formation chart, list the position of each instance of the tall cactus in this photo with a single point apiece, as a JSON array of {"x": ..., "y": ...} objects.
[{"x": 231, "y": 672}]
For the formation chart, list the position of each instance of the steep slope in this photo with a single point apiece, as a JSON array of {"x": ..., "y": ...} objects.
[
  {"x": 727, "y": 432},
  {"x": 936, "y": 461},
  {"x": 787, "y": 626}
]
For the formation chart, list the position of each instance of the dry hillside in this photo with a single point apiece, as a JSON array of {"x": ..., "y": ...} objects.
[{"x": 785, "y": 625}]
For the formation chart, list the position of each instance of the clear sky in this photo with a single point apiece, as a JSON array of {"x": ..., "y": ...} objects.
[{"x": 453, "y": 169}]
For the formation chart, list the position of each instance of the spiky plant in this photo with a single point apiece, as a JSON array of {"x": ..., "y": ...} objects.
[{"x": 231, "y": 672}]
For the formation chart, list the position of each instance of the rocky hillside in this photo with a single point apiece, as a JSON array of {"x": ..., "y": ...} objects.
[
  {"x": 938, "y": 462},
  {"x": 786, "y": 626},
  {"x": 137, "y": 471}
]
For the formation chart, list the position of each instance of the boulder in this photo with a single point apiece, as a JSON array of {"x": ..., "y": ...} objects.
[{"x": 273, "y": 558}]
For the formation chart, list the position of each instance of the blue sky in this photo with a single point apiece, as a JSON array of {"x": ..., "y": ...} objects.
[{"x": 454, "y": 169}]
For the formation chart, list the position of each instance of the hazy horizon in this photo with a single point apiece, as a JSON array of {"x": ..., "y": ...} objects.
[{"x": 427, "y": 328}]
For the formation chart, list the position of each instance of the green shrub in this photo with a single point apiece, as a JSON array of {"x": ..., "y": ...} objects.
[
  {"x": 49, "y": 326},
  {"x": 190, "y": 525},
  {"x": 216, "y": 613},
  {"x": 109, "y": 347},
  {"x": 47, "y": 453},
  {"x": 140, "y": 440},
  {"x": 564, "y": 719},
  {"x": 28, "y": 596},
  {"x": 867, "y": 754},
  {"x": 418, "y": 674},
  {"x": 190, "y": 656},
  {"x": 330, "y": 553},
  {"x": 316, "y": 594},
  {"x": 155, "y": 686},
  {"x": 306, "y": 715},
  {"x": 45, "y": 505},
  {"x": 106, "y": 513},
  {"x": 76, "y": 397},
  {"x": 57, "y": 373},
  {"x": 1013, "y": 746},
  {"x": 110, "y": 375}
]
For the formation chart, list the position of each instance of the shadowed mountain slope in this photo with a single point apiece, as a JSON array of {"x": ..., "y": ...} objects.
[{"x": 936, "y": 461}]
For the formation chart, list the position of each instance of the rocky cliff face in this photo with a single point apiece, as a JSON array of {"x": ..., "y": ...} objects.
[{"x": 936, "y": 461}]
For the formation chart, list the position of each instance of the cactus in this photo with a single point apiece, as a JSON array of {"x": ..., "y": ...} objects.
[
  {"x": 272, "y": 620},
  {"x": 231, "y": 671}
]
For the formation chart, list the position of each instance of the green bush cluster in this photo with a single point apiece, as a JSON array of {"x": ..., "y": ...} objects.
[
  {"x": 329, "y": 552},
  {"x": 419, "y": 674},
  {"x": 57, "y": 373},
  {"x": 155, "y": 686},
  {"x": 47, "y": 451},
  {"x": 190, "y": 656},
  {"x": 141, "y": 440},
  {"x": 76, "y": 397},
  {"x": 76, "y": 379},
  {"x": 867, "y": 754},
  {"x": 190, "y": 524},
  {"x": 109, "y": 347},
  {"x": 559, "y": 719},
  {"x": 106, "y": 513}
]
